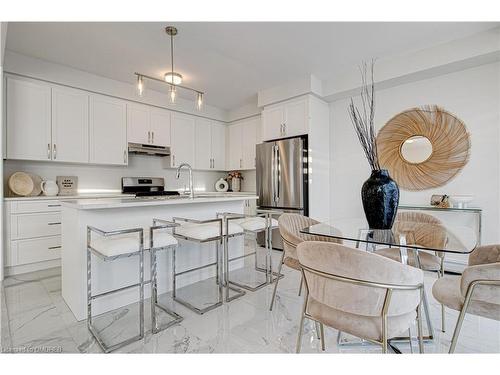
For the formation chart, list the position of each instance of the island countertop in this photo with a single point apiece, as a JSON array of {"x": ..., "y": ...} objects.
[{"x": 105, "y": 203}]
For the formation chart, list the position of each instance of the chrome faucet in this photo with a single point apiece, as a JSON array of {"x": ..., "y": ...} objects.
[{"x": 186, "y": 165}]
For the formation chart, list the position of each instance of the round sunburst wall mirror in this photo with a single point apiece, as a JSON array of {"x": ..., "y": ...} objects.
[{"x": 424, "y": 147}]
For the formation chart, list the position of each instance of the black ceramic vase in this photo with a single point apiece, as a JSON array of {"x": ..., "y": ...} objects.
[{"x": 380, "y": 196}]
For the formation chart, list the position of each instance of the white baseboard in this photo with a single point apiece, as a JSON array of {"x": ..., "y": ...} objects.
[{"x": 25, "y": 268}]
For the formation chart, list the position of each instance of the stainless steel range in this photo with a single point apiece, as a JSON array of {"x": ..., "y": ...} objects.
[{"x": 147, "y": 188}]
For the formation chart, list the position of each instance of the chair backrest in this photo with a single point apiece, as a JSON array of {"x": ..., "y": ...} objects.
[
  {"x": 484, "y": 264},
  {"x": 290, "y": 226},
  {"x": 426, "y": 230},
  {"x": 338, "y": 260}
]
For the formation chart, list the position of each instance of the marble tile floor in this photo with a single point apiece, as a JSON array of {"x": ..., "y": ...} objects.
[{"x": 34, "y": 317}]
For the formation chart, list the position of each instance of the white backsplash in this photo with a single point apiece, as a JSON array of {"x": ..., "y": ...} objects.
[{"x": 99, "y": 179}]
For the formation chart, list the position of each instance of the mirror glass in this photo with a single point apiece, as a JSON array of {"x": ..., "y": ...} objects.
[{"x": 416, "y": 149}]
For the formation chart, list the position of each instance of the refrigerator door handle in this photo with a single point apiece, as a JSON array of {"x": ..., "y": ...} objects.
[
  {"x": 278, "y": 173},
  {"x": 273, "y": 174}
]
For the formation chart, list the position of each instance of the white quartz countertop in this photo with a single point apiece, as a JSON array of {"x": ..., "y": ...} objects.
[
  {"x": 66, "y": 197},
  {"x": 103, "y": 203}
]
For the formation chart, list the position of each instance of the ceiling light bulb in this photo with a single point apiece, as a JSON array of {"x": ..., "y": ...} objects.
[
  {"x": 140, "y": 85},
  {"x": 199, "y": 101},
  {"x": 173, "y": 77},
  {"x": 173, "y": 94}
]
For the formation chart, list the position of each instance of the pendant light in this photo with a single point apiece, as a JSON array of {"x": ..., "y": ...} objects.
[{"x": 171, "y": 78}]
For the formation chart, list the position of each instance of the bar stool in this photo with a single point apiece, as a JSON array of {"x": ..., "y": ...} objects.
[
  {"x": 253, "y": 224},
  {"x": 199, "y": 231},
  {"x": 159, "y": 240},
  {"x": 110, "y": 246}
]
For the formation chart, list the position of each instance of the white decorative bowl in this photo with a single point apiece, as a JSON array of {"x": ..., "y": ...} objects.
[{"x": 461, "y": 201}]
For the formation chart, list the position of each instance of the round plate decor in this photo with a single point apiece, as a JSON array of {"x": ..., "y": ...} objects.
[
  {"x": 21, "y": 183},
  {"x": 37, "y": 182},
  {"x": 438, "y": 162}
]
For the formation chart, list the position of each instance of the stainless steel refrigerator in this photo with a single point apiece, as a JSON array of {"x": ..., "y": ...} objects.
[{"x": 282, "y": 178}]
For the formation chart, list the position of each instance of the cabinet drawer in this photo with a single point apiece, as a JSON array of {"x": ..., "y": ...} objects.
[
  {"x": 35, "y": 250},
  {"x": 35, "y": 225},
  {"x": 21, "y": 207}
]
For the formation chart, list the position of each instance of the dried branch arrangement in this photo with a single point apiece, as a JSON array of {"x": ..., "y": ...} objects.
[
  {"x": 362, "y": 117},
  {"x": 450, "y": 147}
]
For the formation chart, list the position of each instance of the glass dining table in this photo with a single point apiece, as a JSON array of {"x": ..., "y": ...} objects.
[{"x": 408, "y": 237}]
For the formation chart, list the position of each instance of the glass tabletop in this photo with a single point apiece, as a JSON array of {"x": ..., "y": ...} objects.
[{"x": 408, "y": 234}]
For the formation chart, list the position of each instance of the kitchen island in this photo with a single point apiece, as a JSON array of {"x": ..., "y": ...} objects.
[{"x": 123, "y": 213}]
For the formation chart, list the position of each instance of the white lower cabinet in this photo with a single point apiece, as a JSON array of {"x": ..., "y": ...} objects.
[{"x": 33, "y": 234}]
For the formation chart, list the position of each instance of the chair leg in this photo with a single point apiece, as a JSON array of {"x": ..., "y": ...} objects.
[
  {"x": 322, "y": 331},
  {"x": 384, "y": 334},
  {"x": 317, "y": 329},
  {"x": 419, "y": 328},
  {"x": 277, "y": 280},
  {"x": 458, "y": 327},
  {"x": 300, "y": 286},
  {"x": 441, "y": 274},
  {"x": 410, "y": 340}
]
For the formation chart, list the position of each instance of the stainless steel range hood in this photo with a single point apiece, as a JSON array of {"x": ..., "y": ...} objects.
[{"x": 138, "y": 148}]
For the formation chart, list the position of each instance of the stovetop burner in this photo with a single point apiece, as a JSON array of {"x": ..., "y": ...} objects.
[
  {"x": 155, "y": 193},
  {"x": 144, "y": 187}
]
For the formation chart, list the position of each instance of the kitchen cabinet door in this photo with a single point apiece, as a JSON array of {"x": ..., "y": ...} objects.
[
  {"x": 296, "y": 118},
  {"x": 28, "y": 120},
  {"x": 182, "y": 136},
  {"x": 218, "y": 146},
  {"x": 234, "y": 142},
  {"x": 249, "y": 140},
  {"x": 272, "y": 121},
  {"x": 70, "y": 125},
  {"x": 160, "y": 127},
  {"x": 203, "y": 142},
  {"x": 108, "y": 130},
  {"x": 138, "y": 124}
]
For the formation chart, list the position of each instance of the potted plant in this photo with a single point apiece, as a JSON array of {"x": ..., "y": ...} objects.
[{"x": 380, "y": 193}]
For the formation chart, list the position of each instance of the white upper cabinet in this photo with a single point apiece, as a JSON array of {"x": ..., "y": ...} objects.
[
  {"x": 138, "y": 124},
  {"x": 210, "y": 145},
  {"x": 288, "y": 119},
  {"x": 70, "y": 125},
  {"x": 160, "y": 127},
  {"x": 148, "y": 125},
  {"x": 28, "y": 120},
  {"x": 218, "y": 146},
  {"x": 183, "y": 139},
  {"x": 235, "y": 155},
  {"x": 242, "y": 139},
  {"x": 203, "y": 144},
  {"x": 108, "y": 130}
]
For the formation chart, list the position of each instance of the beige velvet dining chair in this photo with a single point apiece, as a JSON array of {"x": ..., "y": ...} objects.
[
  {"x": 360, "y": 293},
  {"x": 426, "y": 231},
  {"x": 290, "y": 226},
  {"x": 476, "y": 291}
]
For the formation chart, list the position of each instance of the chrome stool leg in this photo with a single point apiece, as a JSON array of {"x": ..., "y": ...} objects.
[
  {"x": 154, "y": 278},
  {"x": 90, "y": 297},
  {"x": 218, "y": 240},
  {"x": 277, "y": 280}
]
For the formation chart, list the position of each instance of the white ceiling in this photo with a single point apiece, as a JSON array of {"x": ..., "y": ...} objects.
[{"x": 229, "y": 61}]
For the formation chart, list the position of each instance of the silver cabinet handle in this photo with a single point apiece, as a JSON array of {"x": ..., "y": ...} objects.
[
  {"x": 152, "y": 137},
  {"x": 59, "y": 223},
  {"x": 53, "y": 205},
  {"x": 173, "y": 160},
  {"x": 284, "y": 129},
  {"x": 149, "y": 137},
  {"x": 54, "y": 247},
  {"x": 125, "y": 156},
  {"x": 48, "y": 151},
  {"x": 241, "y": 162},
  {"x": 54, "y": 152}
]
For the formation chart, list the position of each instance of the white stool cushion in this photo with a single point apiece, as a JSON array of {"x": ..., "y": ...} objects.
[
  {"x": 205, "y": 231},
  {"x": 129, "y": 243},
  {"x": 255, "y": 224}
]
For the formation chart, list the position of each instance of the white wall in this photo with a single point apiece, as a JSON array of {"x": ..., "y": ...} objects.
[
  {"x": 474, "y": 96},
  {"x": 101, "y": 178}
]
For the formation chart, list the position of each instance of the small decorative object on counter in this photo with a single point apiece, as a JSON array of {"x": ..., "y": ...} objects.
[
  {"x": 21, "y": 184},
  {"x": 380, "y": 193},
  {"x": 68, "y": 185},
  {"x": 221, "y": 185},
  {"x": 49, "y": 188},
  {"x": 461, "y": 201},
  {"x": 235, "y": 179},
  {"x": 441, "y": 201}
]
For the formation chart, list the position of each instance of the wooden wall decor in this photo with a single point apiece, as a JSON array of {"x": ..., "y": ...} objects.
[{"x": 450, "y": 147}]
